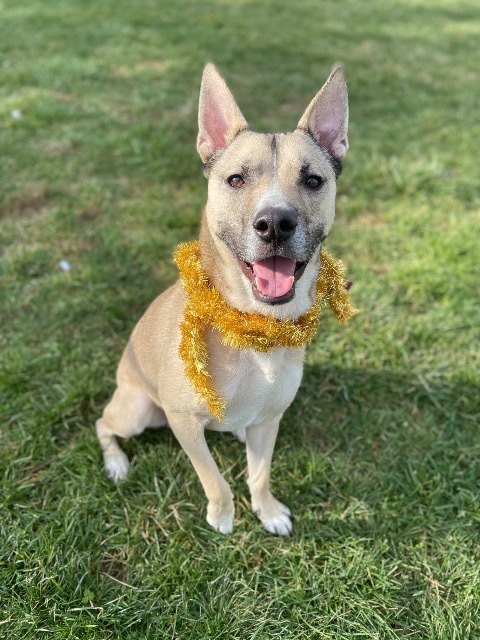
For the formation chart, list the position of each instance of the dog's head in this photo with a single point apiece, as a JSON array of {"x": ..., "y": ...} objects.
[{"x": 271, "y": 197}]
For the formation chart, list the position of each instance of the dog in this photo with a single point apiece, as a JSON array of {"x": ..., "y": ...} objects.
[{"x": 270, "y": 206}]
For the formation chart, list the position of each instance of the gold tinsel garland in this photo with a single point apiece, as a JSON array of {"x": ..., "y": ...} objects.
[{"x": 206, "y": 308}]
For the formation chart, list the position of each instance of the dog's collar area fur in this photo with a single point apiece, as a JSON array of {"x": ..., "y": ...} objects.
[{"x": 205, "y": 307}]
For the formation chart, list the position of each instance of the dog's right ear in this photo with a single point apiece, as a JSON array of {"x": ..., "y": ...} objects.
[{"x": 219, "y": 118}]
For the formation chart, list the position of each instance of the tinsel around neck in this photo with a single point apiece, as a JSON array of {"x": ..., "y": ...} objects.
[{"x": 205, "y": 307}]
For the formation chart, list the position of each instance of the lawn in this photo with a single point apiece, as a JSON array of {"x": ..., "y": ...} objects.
[{"x": 379, "y": 456}]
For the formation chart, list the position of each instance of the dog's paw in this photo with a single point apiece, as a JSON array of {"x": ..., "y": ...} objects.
[
  {"x": 274, "y": 515},
  {"x": 117, "y": 467},
  {"x": 221, "y": 519},
  {"x": 279, "y": 525}
]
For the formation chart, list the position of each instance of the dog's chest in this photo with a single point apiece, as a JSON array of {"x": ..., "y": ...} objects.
[{"x": 256, "y": 386}]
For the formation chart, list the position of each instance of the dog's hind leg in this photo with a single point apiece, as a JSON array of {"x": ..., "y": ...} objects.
[
  {"x": 129, "y": 413},
  {"x": 274, "y": 515}
]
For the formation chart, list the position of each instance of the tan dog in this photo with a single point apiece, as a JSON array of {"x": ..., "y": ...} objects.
[{"x": 271, "y": 202}]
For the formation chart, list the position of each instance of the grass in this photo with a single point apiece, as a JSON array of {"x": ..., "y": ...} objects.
[{"x": 379, "y": 454}]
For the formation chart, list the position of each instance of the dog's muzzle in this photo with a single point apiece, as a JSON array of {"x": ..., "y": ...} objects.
[{"x": 273, "y": 278}]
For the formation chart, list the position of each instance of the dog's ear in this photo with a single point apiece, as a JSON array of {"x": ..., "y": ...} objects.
[
  {"x": 326, "y": 117},
  {"x": 219, "y": 118}
]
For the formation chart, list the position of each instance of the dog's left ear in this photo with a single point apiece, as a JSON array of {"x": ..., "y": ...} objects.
[
  {"x": 326, "y": 117},
  {"x": 219, "y": 118}
]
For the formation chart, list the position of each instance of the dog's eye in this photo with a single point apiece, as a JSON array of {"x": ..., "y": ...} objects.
[
  {"x": 313, "y": 182},
  {"x": 236, "y": 181}
]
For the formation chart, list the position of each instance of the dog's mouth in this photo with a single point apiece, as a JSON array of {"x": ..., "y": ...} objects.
[{"x": 273, "y": 279}]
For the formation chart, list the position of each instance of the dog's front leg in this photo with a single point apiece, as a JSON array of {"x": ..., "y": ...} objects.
[
  {"x": 191, "y": 435},
  {"x": 274, "y": 515}
]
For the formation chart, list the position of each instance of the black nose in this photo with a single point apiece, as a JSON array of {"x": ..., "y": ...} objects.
[{"x": 275, "y": 225}]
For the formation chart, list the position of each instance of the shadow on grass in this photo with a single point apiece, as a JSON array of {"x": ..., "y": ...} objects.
[
  {"x": 353, "y": 418},
  {"x": 375, "y": 387},
  {"x": 361, "y": 454},
  {"x": 338, "y": 405},
  {"x": 366, "y": 402}
]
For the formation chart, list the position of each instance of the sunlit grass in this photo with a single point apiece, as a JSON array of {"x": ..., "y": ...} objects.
[{"x": 379, "y": 454}]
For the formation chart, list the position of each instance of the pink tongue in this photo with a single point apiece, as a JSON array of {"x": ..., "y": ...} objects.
[{"x": 274, "y": 276}]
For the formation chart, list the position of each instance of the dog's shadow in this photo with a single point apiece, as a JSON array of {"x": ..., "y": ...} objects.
[
  {"x": 358, "y": 450},
  {"x": 353, "y": 408}
]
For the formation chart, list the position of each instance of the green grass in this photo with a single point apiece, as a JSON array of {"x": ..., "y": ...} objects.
[{"x": 379, "y": 454}]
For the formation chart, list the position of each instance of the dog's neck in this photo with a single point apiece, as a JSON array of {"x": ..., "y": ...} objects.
[{"x": 211, "y": 258}]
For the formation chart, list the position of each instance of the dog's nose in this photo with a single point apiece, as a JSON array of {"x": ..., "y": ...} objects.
[{"x": 275, "y": 225}]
